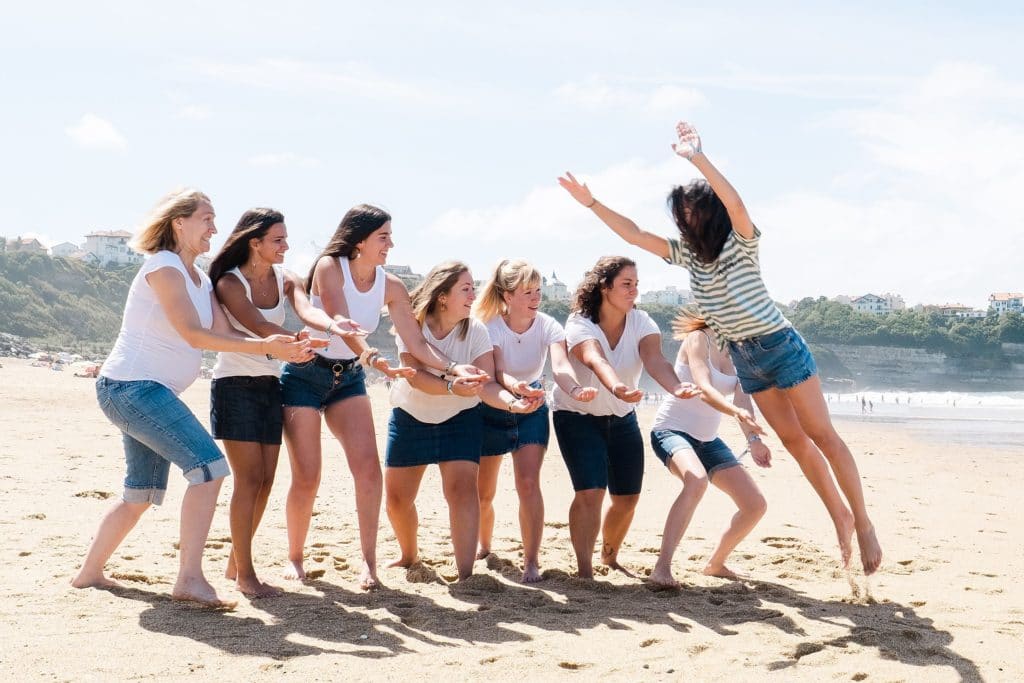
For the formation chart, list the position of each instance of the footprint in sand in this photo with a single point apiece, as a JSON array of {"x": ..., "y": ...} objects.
[
  {"x": 572, "y": 666},
  {"x": 101, "y": 495},
  {"x": 781, "y": 541},
  {"x": 315, "y": 574},
  {"x": 649, "y": 642},
  {"x": 136, "y": 577},
  {"x": 804, "y": 649},
  {"x": 421, "y": 573}
]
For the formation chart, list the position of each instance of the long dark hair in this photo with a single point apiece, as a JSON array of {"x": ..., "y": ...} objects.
[
  {"x": 588, "y": 298},
  {"x": 253, "y": 224},
  {"x": 709, "y": 225},
  {"x": 356, "y": 225}
]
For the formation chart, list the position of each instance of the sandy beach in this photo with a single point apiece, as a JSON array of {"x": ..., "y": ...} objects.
[{"x": 944, "y": 607}]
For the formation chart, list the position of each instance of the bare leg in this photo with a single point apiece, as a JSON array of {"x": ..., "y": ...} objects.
[
  {"x": 351, "y": 422},
  {"x": 302, "y": 435},
  {"x": 490, "y": 467},
  {"x": 812, "y": 412},
  {"x": 584, "y": 524},
  {"x": 616, "y": 523},
  {"x": 197, "y": 509},
  {"x": 114, "y": 528},
  {"x": 686, "y": 466},
  {"x": 249, "y": 465},
  {"x": 401, "y": 484},
  {"x": 526, "y": 463},
  {"x": 780, "y": 415},
  {"x": 458, "y": 477},
  {"x": 740, "y": 486}
]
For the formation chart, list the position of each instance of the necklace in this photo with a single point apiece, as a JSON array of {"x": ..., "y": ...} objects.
[
  {"x": 363, "y": 280},
  {"x": 518, "y": 335},
  {"x": 254, "y": 281}
]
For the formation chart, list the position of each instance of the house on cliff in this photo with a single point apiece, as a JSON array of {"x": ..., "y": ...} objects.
[{"x": 1006, "y": 302}]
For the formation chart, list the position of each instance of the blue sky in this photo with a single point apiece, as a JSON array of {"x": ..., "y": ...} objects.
[{"x": 879, "y": 148}]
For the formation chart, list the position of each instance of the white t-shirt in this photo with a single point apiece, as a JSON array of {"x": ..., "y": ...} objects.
[
  {"x": 624, "y": 358},
  {"x": 436, "y": 408},
  {"x": 524, "y": 354},
  {"x": 230, "y": 364},
  {"x": 148, "y": 346}
]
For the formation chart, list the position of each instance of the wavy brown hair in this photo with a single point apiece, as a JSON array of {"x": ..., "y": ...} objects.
[
  {"x": 708, "y": 226},
  {"x": 356, "y": 225},
  {"x": 253, "y": 225},
  {"x": 157, "y": 232},
  {"x": 588, "y": 297},
  {"x": 439, "y": 281}
]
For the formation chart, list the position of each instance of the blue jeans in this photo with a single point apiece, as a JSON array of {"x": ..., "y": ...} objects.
[
  {"x": 601, "y": 451},
  {"x": 157, "y": 430},
  {"x": 778, "y": 360}
]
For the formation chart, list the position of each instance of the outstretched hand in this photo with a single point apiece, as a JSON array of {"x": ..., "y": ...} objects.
[
  {"x": 343, "y": 327},
  {"x": 686, "y": 390},
  {"x": 745, "y": 418},
  {"x": 399, "y": 371},
  {"x": 579, "y": 191},
  {"x": 314, "y": 342},
  {"x": 522, "y": 388},
  {"x": 761, "y": 454},
  {"x": 689, "y": 141},
  {"x": 627, "y": 394}
]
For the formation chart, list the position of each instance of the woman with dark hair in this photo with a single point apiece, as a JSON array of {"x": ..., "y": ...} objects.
[
  {"x": 610, "y": 343},
  {"x": 348, "y": 279},
  {"x": 170, "y": 315},
  {"x": 684, "y": 436},
  {"x": 718, "y": 244},
  {"x": 245, "y": 395},
  {"x": 436, "y": 420}
]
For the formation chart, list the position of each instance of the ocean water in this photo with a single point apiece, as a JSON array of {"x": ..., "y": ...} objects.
[{"x": 948, "y": 417}]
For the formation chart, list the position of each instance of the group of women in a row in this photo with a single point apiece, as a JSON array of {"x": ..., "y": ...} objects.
[{"x": 466, "y": 389}]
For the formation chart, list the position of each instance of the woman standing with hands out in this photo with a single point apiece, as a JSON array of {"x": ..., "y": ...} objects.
[
  {"x": 685, "y": 437},
  {"x": 718, "y": 245},
  {"x": 610, "y": 342},
  {"x": 171, "y": 315},
  {"x": 348, "y": 280},
  {"x": 436, "y": 420},
  {"x": 522, "y": 337},
  {"x": 245, "y": 395}
]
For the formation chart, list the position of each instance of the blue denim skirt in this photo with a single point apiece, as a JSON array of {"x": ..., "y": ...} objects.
[
  {"x": 246, "y": 409},
  {"x": 412, "y": 443},
  {"x": 506, "y": 432}
]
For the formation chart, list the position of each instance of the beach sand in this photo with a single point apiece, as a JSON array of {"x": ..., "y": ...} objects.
[{"x": 947, "y": 604}]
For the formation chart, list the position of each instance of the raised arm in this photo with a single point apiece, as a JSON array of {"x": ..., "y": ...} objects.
[
  {"x": 696, "y": 348},
  {"x": 661, "y": 370},
  {"x": 589, "y": 353},
  {"x": 689, "y": 147},
  {"x": 620, "y": 225}
]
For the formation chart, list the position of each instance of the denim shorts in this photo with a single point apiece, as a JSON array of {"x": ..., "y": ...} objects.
[
  {"x": 246, "y": 409},
  {"x": 314, "y": 384},
  {"x": 713, "y": 455},
  {"x": 601, "y": 451},
  {"x": 412, "y": 443},
  {"x": 779, "y": 360},
  {"x": 157, "y": 430},
  {"x": 506, "y": 432}
]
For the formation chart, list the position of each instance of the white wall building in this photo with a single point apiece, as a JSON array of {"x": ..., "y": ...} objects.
[
  {"x": 670, "y": 296},
  {"x": 65, "y": 250},
  {"x": 1006, "y": 302},
  {"x": 110, "y": 247},
  {"x": 554, "y": 289},
  {"x": 871, "y": 304}
]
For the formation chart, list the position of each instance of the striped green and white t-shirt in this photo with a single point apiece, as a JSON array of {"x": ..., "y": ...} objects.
[{"x": 729, "y": 291}]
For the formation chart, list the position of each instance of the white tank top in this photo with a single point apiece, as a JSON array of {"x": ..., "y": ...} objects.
[
  {"x": 251, "y": 364},
  {"x": 692, "y": 415},
  {"x": 363, "y": 307},
  {"x": 148, "y": 346}
]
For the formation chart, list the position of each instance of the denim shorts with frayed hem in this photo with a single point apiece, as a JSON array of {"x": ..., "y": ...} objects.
[
  {"x": 246, "y": 409},
  {"x": 779, "y": 360},
  {"x": 506, "y": 432},
  {"x": 601, "y": 451},
  {"x": 412, "y": 443},
  {"x": 315, "y": 385},
  {"x": 157, "y": 430},
  {"x": 714, "y": 455}
]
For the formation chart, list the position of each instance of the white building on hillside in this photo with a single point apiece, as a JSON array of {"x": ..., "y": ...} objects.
[
  {"x": 871, "y": 304},
  {"x": 65, "y": 250},
  {"x": 405, "y": 274},
  {"x": 26, "y": 245},
  {"x": 110, "y": 247},
  {"x": 1006, "y": 302},
  {"x": 554, "y": 289},
  {"x": 670, "y": 296}
]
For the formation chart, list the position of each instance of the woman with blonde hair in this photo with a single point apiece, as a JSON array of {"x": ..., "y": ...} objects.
[
  {"x": 435, "y": 419},
  {"x": 684, "y": 436},
  {"x": 170, "y": 316},
  {"x": 522, "y": 337}
]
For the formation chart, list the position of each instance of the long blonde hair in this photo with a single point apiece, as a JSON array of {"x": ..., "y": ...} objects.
[
  {"x": 157, "y": 232},
  {"x": 509, "y": 275},
  {"x": 438, "y": 281},
  {"x": 687, "y": 320}
]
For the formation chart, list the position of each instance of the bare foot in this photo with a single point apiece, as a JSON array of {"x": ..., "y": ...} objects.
[
  {"x": 663, "y": 579},
  {"x": 197, "y": 590},
  {"x": 254, "y": 588},
  {"x": 721, "y": 571},
  {"x": 531, "y": 574},
  {"x": 610, "y": 559},
  {"x": 403, "y": 562},
  {"x": 482, "y": 553},
  {"x": 94, "y": 581},
  {"x": 870, "y": 550},
  {"x": 368, "y": 580},
  {"x": 844, "y": 530},
  {"x": 230, "y": 572},
  {"x": 585, "y": 571},
  {"x": 293, "y": 571}
]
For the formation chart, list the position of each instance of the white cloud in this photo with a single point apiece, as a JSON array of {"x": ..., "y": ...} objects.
[
  {"x": 596, "y": 93},
  {"x": 283, "y": 159},
  {"x": 194, "y": 112},
  {"x": 93, "y": 132}
]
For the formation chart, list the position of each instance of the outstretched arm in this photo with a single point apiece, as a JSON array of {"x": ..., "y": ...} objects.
[
  {"x": 622, "y": 226},
  {"x": 661, "y": 370},
  {"x": 696, "y": 348},
  {"x": 689, "y": 147},
  {"x": 590, "y": 354}
]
